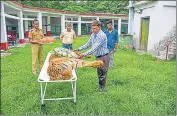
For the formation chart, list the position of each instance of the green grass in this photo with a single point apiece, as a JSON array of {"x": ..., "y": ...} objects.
[{"x": 138, "y": 84}]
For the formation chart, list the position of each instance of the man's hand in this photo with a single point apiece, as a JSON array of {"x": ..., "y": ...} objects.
[
  {"x": 75, "y": 50},
  {"x": 81, "y": 56},
  {"x": 115, "y": 47},
  {"x": 115, "y": 50},
  {"x": 40, "y": 41},
  {"x": 34, "y": 42}
]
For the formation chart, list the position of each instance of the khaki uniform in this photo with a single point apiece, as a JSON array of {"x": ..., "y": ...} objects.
[
  {"x": 36, "y": 35},
  {"x": 68, "y": 36}
]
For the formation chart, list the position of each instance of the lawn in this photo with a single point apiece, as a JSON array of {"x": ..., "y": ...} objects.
[{"x": 138, "y": 84}]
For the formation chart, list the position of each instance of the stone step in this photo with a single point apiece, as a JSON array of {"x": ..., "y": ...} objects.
[
  {"x": 173, "y": 42},
  {"x": 171, "y": 53},
  {"x": 171, "y": 50},
  {"x": 172, "y": 46},
  {"x": 164, "y": 53},
  {"x": 161, "y": 57}
]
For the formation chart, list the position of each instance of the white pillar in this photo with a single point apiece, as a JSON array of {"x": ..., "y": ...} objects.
[
  {"x": 131, "y": 17},
  {"x": 72, "y": 23},
  {"x": 79, "y": 25},
  {"x": 48, "y": 26},
  {"x": 119, "y": 26},
  {"x": 62, "y": 23},
  {"x": 39, "y": 17},
  {"x": 97, "y": 18},
  {"x": 3, "y": 25},
  {"x": 48, "y": 23},
  {"x": 26, "y": 25},
  {"x": 113, "y": 22},
  {"x": 20, "y": 27}
]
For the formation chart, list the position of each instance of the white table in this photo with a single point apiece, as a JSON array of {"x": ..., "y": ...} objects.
[{"x": 44, "y": 78}]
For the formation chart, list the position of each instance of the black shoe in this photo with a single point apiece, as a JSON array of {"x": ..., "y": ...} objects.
[{"x": 101, "y": 88}]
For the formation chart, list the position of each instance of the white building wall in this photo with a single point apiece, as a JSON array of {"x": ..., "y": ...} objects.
[
  {"x": 169, "y": 3},
  {"x": 161, "y": 22},
  {"x": 169, "y": 19},
  {"x": 149, "y": 12},
  {"x": 154, "y": 30}
]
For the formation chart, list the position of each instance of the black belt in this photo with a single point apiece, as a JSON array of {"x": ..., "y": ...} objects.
[
  {"x": 67, "y": 44},
  {"x": 102, "y": 55}
]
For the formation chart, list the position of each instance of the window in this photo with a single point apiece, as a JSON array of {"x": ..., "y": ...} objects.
[{"x": 124, "y": 28}]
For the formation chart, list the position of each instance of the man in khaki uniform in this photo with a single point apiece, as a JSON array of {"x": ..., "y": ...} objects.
[
  {"x": 35, "y": 35},
  {"x": 67, "y": 37}
]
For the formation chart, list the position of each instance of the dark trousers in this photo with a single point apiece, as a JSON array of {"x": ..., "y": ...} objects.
[
  {"x": 102, "y": 71},
  {"x": 67, "y": 46}
]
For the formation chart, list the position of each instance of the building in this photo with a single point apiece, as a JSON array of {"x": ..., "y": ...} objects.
[
  {"x": 18, "y": 19},
  {"x": 153, "y": 21}
]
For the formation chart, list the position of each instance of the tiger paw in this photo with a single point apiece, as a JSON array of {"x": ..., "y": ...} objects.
[{"x": 94, "y": 64}]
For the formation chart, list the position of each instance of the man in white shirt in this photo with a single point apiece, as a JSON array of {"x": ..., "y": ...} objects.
[{"x": 67, "y": 37}]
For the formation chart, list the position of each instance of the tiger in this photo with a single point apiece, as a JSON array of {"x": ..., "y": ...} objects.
[
  {"x": 63, "y": 52},
  {"x": 61, "y": 68}
]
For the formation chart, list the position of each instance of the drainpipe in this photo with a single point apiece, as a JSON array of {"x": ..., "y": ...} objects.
[{"x": 131, "y": 17}]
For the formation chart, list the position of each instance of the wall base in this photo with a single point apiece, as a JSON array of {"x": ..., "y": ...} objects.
[
  {"x": 48, "y": 33},
  {"x": 21, "y": 41},
  {"x": 4, "y": 46}
]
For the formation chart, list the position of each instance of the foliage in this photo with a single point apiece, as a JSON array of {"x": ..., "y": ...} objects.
[{"x": 97, "y": 6}]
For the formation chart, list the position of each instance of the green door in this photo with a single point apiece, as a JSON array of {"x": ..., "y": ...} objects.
[
  {"x": 55, "y": 30},
  {"x": 144, "y": 33}
]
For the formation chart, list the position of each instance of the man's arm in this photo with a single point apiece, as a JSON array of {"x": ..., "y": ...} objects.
[
  {"x": 85, "y": 46},
  {"x": 116, "y": 40},
  {"x": 30, "y": 36},
  {"x": 93, "y": 49},
  {"x": 74, "y": 34},
  {"x": 115, "y": 45},
  {"x": 61, "y": 36}
]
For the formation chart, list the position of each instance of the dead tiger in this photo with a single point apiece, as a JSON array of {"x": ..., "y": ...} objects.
[
  {"x": 63, "y": 52},
  {"x": 61, "y": 68}
]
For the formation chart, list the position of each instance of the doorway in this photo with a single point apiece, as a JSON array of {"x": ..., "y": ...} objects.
[{"x": 144, "y": 33}]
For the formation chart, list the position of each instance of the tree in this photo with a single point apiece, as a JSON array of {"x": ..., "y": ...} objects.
[{"x": 115, "y": 7}]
